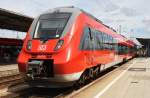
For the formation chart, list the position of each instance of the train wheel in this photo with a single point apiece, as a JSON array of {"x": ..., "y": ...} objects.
[
  {"x": 99, "y": 66},
  {"x": 82, "y": 81},
  {"x": 91, "y": 73},
  {"x": 96, "y": 71}
]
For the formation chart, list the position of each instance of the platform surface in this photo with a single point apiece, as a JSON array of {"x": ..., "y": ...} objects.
[{"x": 132, "y": 80}]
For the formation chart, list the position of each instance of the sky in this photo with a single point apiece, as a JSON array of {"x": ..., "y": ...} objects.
[{"x": 131, "y": 16}]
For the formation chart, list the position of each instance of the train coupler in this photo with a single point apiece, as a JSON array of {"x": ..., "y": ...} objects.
[{"x": 40, "y": 68}]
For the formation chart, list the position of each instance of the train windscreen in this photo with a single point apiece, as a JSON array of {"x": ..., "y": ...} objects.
[{"x": 51, "y": 26}]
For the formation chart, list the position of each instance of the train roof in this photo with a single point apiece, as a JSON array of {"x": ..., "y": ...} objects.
[
  {"x": 73, "y": 10},
  {"x": 76, "y": 11}
]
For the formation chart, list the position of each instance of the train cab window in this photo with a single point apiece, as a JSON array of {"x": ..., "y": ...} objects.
[{"x": 51, "y": 26}]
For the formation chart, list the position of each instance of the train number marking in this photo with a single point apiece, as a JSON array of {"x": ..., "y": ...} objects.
[{"x": 42, "y": 47}]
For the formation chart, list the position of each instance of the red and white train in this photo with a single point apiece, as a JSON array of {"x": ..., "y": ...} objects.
[{"x": 66, "y": 45}]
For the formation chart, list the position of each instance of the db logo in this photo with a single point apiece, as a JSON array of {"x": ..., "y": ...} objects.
[{"x": 42, "y": 47}]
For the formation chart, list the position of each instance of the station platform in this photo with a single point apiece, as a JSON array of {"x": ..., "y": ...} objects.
[
  {"x": 9, "y": 70},
  {"x": 131, "y": 80}
]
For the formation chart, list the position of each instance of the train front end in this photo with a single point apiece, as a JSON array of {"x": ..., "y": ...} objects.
[{"x": 44, "y": 55}]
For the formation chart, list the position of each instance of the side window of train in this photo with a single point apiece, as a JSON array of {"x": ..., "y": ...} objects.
[
  {"x": 86, "y": 39},
  {"x": 115, "y": 45},
  {"x": 94, "y": 39},
  {"x": 110, "y": 42},
  {"x": 104, "y": 41},
  {"x": 91, "y": 34},
  {"x": 90, "y": 37},
  {"x": 99, "y": 39}
]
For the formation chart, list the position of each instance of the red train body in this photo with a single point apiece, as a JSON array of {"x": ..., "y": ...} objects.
[{"x": 63, "y": 43}]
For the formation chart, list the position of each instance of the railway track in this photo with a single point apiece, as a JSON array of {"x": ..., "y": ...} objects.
[
  {"x": 24, "y": 91},
  {"x": 9, "y": 80},
  {"x": 64, "y": 92},
  {"x": 60, "y": 92}
]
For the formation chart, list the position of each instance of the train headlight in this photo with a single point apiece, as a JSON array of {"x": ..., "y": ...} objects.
[
  {"x": 29, "y": 45},
  {"x": 59, "y": 45}
]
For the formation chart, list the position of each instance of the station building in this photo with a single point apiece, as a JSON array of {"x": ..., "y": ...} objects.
[
  {"x": 145, "y": 46},
  {"x": 10, "y": 47}
]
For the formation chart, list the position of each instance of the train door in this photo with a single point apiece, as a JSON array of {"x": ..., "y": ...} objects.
[
  {"x": 88, "y": 46},
  {"x": 95, "y": 46},
  {"x": 116, "y": 50},
  {"x": 92, "y": 46}
]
